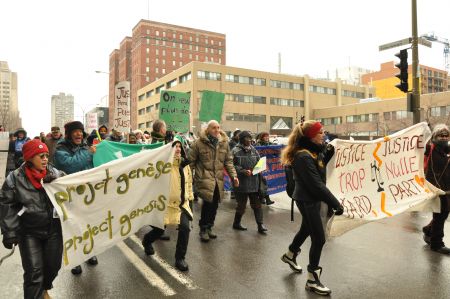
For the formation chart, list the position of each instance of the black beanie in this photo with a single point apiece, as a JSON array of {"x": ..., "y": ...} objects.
[
  {"x": 73, "y": 125},
  {"x": 242, "y": 135}
]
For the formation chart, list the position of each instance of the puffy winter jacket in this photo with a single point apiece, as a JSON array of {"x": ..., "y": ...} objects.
[
  {"x": 72, "y": 158},
  {"x": 209, "y": 161},
  {"x": 19, "y": 196}
]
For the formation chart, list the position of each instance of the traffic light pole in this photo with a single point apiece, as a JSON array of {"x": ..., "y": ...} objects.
[{"x": 415, "y": 66}]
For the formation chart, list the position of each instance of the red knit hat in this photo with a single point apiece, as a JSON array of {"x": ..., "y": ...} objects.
[
  {"x": 33, "y": 148},
  {"x": 313, "y": 130}
]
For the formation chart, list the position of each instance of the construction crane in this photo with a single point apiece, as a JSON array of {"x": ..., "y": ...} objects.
[{"x": 433, "y": 38}]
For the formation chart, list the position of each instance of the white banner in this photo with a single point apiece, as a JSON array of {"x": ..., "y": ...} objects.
[
  {"x": 380, "y": 178},
  {"x": 121, "y": 116},
  {"x": 100, "y": 207},
  {"x": 91, "y": 121}
]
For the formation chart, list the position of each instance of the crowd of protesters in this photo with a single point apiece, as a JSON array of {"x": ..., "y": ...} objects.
[{"x": 27, "y": 218}]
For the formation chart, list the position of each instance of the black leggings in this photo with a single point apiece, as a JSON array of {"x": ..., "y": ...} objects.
[
  {"x": 41, "y": 261},
  {"x": 311, "y": 227}
]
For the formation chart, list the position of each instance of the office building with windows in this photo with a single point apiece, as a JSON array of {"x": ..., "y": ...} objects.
[
  {"x": 9, "y": 108},
  {"x": 62, "y": 109},
  {"x": 254, "y": 100}
]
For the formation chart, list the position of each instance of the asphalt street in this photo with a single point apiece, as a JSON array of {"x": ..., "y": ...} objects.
[{"x": 383, "y": 259}]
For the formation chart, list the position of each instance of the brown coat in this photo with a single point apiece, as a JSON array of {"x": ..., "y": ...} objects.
[{"x": 208, "y": 163}]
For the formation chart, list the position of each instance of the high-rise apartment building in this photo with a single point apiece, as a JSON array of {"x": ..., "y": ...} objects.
[
  {"x": 62, "y": 109},
  {"x": 9, "y": 108},
  {"x": 156, "y": 49}
]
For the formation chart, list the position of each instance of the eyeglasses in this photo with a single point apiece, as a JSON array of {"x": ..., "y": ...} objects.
[
  {"x": 42, "y": 156},
  {"x": 443, "y": 135}
]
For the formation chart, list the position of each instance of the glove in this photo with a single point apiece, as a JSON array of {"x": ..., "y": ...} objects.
[
  {"x": 8, "y": 243},
  {"x": 339, "y": 211}
]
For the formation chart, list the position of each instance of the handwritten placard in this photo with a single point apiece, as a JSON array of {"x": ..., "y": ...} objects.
[
  {"x": 121, "y": 117},
  {"x": 174, "y": 110}
]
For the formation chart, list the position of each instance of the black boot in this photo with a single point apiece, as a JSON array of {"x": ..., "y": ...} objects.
[
  {"x": 76, "y": 270},
  {"x": 181, "y": 265},
  {"x": 269, "y": 201},
  {"x": 93, "y": 261},
  {"x": 259, "y": 220},
  {"x": 211, "y": 234},
  {"x": 237, "y": 222},
  {"x": 204, "y": 236}
]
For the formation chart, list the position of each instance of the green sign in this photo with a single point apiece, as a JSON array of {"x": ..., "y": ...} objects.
[
  {"x": 212, "y": 106},
  {"x": 174, "y": 110}
]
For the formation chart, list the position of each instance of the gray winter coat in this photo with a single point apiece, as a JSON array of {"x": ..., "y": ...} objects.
[{"x": 245, "y": 160}]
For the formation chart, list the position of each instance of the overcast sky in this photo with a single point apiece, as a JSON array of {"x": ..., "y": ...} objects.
[{"x": 56, "y": 46}]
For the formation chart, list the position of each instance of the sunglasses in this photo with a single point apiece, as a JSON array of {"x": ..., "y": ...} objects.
[
  {"x": 443, "y": 135},
  {"x": 42, "y": 156}
]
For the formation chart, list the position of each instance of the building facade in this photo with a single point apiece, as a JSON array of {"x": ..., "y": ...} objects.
[
  {"x": 432, "y": 80},
  {"x": 383, "y": 117},
  {"x": 254, "y": 100},
  {"x": 9, "y": 107},
  {"x": 156, "y": 49},
  {"x": 62, "y": 109}
]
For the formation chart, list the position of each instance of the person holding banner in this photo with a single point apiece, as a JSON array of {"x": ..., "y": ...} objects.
[
  {"x": 209, "y": 155},
  {"x": 305, "y": 153},
  {"x": 74, "y": 155},
  {"x": 179, "y": 209},
  {"x": 27, "y": 219},
  {"x": 437, "y": 172},
  {"x": 245, "y": 157}
]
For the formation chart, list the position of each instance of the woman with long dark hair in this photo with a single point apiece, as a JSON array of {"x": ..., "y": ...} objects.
[{"x": 307, "y": 156}]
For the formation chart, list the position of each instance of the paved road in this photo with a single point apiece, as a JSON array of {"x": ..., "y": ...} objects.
[{"x": 385, "y": 259}]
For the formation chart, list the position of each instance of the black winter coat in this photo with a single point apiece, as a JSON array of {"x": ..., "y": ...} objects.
[
  {"x": 309, "y": 170},
  {"x": 245, "y": 160},
  {"x": 438, "y": 171},
  {"x": 17, "y": 192}
]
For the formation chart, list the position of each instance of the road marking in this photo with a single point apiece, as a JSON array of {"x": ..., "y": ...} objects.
[
  {"x": 182, "y": 278},
  {"x": 148, "y": 273}
]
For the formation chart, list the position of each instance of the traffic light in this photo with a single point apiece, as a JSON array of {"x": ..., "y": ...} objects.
[{"x": 403, "y": 66}]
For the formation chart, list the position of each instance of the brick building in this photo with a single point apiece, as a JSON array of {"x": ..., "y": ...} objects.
[{"x": 156, "y": 49}]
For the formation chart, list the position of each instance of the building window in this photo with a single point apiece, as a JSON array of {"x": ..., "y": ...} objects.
[
  {"x": 141, "y": 97},
  {"x": 141, "y": 111},
  {"x": 208, "y": 75},
  {"x": 185, "y": 77},
  {"x": 206, "y": 50},
  {"x": 141, "y": 126},
  {"x": 181, "y": 55},
  {"x": 159, "y": 89},
  {"x": 163, "y": 71},
  {"x": 173, "y": 62},
  {"x": 196, "y": 57},
  {"x": 157, "y": 33},
  {"x": 148, "y": 108},
  {"x": 287, "y": 102},
  {"x": 245, "y": 98},
  {"x": 286, "y": 85},
  {"x": 163, "y": 52},
  {"x": 245, "y": 117},
  {"x": 148, "y": 124},
  {"x": 149, "y": 93},
  {"x": 147, "y": 50},
  {"x": 245, "y": 80},
  {"x": 172, "y": 83}
]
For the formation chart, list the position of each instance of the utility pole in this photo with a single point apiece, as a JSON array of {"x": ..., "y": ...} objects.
[{"x": 415, "y": 65}]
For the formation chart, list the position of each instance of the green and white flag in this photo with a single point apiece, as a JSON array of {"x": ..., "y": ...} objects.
[{"x": 109, "y": 150}]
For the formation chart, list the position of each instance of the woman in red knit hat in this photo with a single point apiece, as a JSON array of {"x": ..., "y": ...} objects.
[
  {"x": 27, "y": 219},
  {"x": 307, "y": 156}
]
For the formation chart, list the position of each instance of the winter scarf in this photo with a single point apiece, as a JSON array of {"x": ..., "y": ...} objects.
[{"x": 35, "y": 176}]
